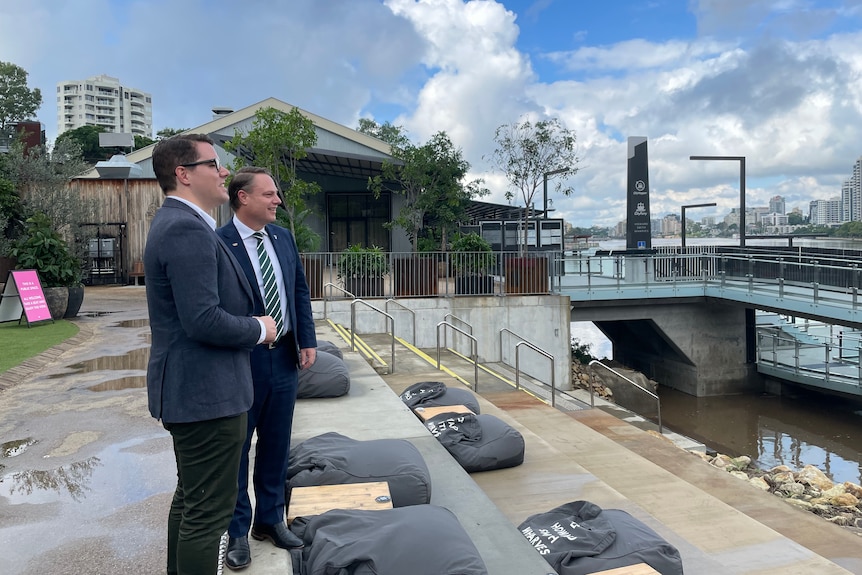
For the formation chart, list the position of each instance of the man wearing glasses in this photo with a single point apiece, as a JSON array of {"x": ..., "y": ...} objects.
[{"x": 199, "y": 377}]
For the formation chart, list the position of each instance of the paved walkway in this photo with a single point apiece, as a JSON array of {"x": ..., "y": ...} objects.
[{"x": 86, "y": 476}]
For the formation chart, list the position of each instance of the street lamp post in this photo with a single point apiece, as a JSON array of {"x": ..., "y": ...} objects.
[
  {"x": 545, "y": 181},
  {"x": 682, "y": 236},
  {"x": 741, "y": 160}
]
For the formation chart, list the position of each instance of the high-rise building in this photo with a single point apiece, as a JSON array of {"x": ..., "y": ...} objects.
[
  {"x": 103, "y": 101},
  {"x": 776, "y": 205},
  {"x": 851, "y": 195},
  {"x": 825, "y": 212}
]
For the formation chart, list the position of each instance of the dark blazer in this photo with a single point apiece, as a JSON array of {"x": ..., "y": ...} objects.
[
  {"x": 300, "y": 318},
  {"x": 200, "y": 306}
]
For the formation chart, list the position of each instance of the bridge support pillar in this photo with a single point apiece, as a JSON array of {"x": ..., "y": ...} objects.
[{"x": 698, "y": 348}]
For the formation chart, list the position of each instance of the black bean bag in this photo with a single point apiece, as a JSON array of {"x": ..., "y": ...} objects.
[
  {"x": 415, "y": 540},
  {"x": 333, "y": 459},
  {"x": 579, "y": 538},
  {"x": 327, "y": 377},
  {"x": 435, "y": 393},
  {"x": 330, "y": 348},
  {"x": 478, "y": 442}
]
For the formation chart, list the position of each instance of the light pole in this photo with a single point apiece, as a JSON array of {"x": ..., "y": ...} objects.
[
  {"x": 545, "y": 181},
  {"x": 682, "y": 236},
  {"x": 741, "y": 160}
]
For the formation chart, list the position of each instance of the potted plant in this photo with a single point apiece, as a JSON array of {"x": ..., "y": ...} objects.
[
  {"x": 43, "y": 249},
  {"x": 362, "y": 270},
  {"x": 472, "y": 261}
]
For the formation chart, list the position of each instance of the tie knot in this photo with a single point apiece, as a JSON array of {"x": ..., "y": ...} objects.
[{"x": 258, "y": 236}]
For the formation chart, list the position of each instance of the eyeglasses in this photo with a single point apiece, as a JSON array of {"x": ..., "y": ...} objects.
[{"x": 214, "y": 162}]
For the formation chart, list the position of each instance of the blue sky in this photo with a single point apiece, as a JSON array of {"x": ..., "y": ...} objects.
[{"x": 778, "y": 81}]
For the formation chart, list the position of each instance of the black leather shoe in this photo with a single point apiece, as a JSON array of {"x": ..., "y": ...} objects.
[
  {"x": 238, "y": 555},
  {"x": 279, "y": 534}
]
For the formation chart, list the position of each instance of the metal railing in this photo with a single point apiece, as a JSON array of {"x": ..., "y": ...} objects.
[
  {"x": 634, "y": 383},
  {"x": 332, "y": 286},
  {"x": 518, "y": 368},
  {"x": 474, "y": 355},
  {"x": 353, "y": 328},
  {"x": 405, "y": 308}
]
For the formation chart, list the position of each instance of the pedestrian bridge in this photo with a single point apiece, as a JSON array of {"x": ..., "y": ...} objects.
[{"x": 791, "y": 286}]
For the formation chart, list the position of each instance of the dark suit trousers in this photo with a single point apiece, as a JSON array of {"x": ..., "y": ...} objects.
[
  {"x": 275, "y": 383},
  {"x": 208, "y": 456}
]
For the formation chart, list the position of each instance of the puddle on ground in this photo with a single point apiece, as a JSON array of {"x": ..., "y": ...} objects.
[
  {"x": 120, "y": 384},
  {"x": 134, "y": 323},
  {"x": 134, "y": 360},
  {"x": 120, "y": 474},
  {"x": 96, "y": 313},
  {"x": 16, "y": 447},
  {"x": 72, "y": 480}
]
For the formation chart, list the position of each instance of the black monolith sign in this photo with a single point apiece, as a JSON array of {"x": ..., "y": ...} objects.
[{"x": 637, "y": 207}]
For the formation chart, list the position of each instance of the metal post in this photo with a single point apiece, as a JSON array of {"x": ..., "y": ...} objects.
[
  {"x": 682, "y": 234},
  {"x": 545, "y": 182},
  {"x": 741, "y": 160}
]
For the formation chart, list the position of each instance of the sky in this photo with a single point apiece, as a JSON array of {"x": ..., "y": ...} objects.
[{"x": 776, "y": 81}]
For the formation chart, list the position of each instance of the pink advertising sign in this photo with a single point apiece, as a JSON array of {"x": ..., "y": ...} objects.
[{"x": 31, "y": 294}]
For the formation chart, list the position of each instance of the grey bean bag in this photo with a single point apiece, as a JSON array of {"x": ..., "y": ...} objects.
[
  {"x": 478, "y": 442},
  {"x": 435, "y": 393},
  {"x": 416, "y": 540},
  {"x": 330, "y": 348},
  {"x": 579, "y": 538},
  {"x": 327, "y": 377},
  {"x": 332, "y": 459}
]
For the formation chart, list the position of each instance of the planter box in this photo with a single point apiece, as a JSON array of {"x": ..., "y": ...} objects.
[
  {"x": 527, "y": 275},
  {"x": 415, "y": 276},
  {"x": 474, "y": 285},
  {"x": 313, "y": 275},
  {"x": 364, "y": 287}
]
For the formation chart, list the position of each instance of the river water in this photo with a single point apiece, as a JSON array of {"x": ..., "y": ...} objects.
[{"x": 796, "y": 429}]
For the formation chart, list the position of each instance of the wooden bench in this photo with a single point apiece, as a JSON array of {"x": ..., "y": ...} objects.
[
  {"x": 319, "y": 499},
  {"x": 426, "y": 413},
  {"x": 638, "y": 569}
]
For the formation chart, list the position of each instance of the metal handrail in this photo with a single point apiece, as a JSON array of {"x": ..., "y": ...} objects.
[
  {"x": 353, "y": 328},
  {"x": 501, "y": 339},
  {"x": 518, "y": 368},
  {"x": 637, "y": 385},
  {"x": 326, "y": 299},
  {"x": 474, "y": 351},
  {"x": 404, "y": 307},
  {"x": 449, "y": 315}
]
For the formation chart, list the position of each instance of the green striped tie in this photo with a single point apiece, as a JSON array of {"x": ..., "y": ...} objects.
[{"x": 270, "y": 286}]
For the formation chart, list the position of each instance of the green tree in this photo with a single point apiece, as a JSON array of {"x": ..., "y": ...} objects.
[
  {"x": 277, "y": 141},
  {"x": 143, "y": 142},
  {"x": 165, "y": 133},
  {"x": 849, "y": 230},
  {"x": 17, "y": 101},
  {"x": 386, "y": 132},
  {"x": 87, "y": 138},
  {"x": 526, "y": 151},
  {"x": 431, "y": 177},
  {"x": 795, "y": 219}
]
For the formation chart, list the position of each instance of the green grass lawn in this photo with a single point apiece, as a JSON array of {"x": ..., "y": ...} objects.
[{"x": 19, "y": 342}]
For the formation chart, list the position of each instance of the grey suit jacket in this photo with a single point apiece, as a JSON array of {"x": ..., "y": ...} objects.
[
  {"x": 200, "y": 307},
  {"x": 300, "y": 318}
]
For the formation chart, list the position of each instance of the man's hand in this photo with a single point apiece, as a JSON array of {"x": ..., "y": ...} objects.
[
  {"x": 307, "y": 356},
  {"x": 269, "y": 324}
]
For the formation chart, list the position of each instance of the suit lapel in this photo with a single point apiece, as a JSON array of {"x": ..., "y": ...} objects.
[{"x": 234, "y": 247}]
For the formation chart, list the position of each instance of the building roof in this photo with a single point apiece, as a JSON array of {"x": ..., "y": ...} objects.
[{"x": 340, "y": 151}]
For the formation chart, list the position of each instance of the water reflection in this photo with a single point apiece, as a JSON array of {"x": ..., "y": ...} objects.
[
  {"x": 134, "y": 360},
  {"x": 134, "y": 323},
  {"x": 16, "y": 447},
  {"x": 71, "y": 479},
  {"x": 804, "y": 429},
  {"x": 120, "y": 384}
]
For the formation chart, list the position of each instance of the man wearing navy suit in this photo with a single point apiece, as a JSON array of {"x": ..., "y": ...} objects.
[
  {"x": 254, "y": 198},
  {"x": 199, "y": 381}
]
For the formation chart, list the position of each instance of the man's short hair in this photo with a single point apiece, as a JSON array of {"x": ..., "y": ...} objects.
[
  {"x": 241, "y": 180},
  {"x": 172, "y": 152}
]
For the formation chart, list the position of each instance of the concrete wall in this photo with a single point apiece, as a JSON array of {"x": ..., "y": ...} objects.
[
  {"x": 697, "y": 347},
  {"x": 541, "y": 320}
]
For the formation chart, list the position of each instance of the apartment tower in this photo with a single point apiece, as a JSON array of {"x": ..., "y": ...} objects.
[{"x": 103, "y": 101}]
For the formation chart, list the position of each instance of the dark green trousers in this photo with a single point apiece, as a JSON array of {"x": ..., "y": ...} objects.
[{"x": 208, "y": 455}]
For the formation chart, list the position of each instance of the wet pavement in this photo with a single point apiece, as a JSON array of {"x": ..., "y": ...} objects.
[{"x": 85, "y": 473}]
